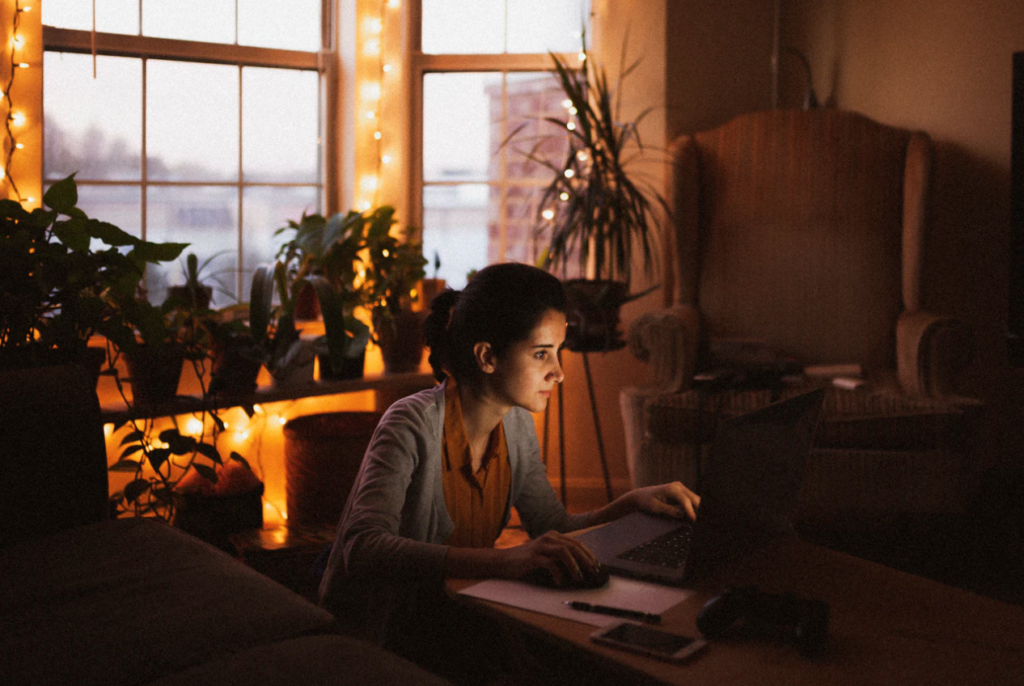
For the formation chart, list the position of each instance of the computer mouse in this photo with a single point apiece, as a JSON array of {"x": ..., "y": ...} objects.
[{"x": 542, "y": 577}]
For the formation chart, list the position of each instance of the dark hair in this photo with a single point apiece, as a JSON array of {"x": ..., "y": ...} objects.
[{"x": 501, "y": 305}]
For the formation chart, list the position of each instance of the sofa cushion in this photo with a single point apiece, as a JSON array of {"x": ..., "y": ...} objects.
[
  {"x": 130, "y": 600},
  {"x": 321, "y": 660}
]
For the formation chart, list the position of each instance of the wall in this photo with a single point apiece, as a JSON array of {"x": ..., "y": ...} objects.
[{"x": 942, "y": 66}]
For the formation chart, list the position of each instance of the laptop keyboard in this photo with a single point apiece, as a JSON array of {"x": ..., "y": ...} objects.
[{"x": 668, "y": 550}]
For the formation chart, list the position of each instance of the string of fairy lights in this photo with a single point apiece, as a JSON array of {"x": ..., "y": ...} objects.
[
  {"x": 371, "y": 99},
  {"x": 14, "y": 119}
]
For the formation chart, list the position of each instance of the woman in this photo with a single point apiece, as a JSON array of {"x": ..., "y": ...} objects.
[{"x": 446, "y": 465}]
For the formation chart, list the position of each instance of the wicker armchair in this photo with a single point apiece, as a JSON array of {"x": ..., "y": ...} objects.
[{"x": 806, "y": 231}]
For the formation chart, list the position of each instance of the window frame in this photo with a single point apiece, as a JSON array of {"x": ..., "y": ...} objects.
[
  {"x": 426, "y": 63},
  {"x": 61, "y": 40}
]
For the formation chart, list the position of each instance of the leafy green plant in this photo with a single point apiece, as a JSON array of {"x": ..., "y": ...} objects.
[
  {"x": 65, "y": 277},
  {"x": 397, "y": 265},
  {"x": 596, "y": 210},
  {"x": 323, "y": 254}
]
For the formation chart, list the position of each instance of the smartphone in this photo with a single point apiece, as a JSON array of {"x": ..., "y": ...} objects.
[{"x": 645, "y": 639}]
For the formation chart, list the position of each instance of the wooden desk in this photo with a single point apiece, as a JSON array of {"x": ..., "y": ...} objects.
[{"x": 887, "y": 627}]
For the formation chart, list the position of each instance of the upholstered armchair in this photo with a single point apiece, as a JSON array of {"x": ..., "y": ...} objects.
[{"x": 805, "y": 231}]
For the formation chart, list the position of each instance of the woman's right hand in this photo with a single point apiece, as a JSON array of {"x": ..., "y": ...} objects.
[{"x": 554, "y": 552}]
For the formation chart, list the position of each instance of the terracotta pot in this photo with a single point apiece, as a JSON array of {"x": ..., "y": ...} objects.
[
  {"x": 234, "y": 368},
  {"x": 401, "y": 341},
  {"x": 323, "y": 453},
  {"x": 307, "y": 307},
  {"x": 203, "y": 296},
  {"x": 351, "y": 368},
  {"x": 594, "y": 315},
  {"x": 154, "y": 372}
]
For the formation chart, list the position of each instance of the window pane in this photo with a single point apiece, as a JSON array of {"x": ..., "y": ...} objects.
[
  {"x": 463, "y": 152},
  {"x": 117, "y": 205},
  {"x": 295, "y": 26},
  {"x": 559, "y": 31},
  {"x": 210, "y": 21},
  {"x": 265, "y": 209},
  {"x": 463, "y": 26},
  {"x": 280, "y": 118},
  {"x": 112, "y": 16},
  {"x": 533, "y": 97},
  {"x": 192, "y": 112},
  {"x": 207, "y": 218},
  {"x": 92, "y": 126},
  {"x": 455, "y": 220}
]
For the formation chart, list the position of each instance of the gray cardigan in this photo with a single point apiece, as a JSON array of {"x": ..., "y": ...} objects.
[{"x": 391, "y": 536}]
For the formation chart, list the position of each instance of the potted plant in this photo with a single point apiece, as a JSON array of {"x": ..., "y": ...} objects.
[
  {"x": 288, "y": 357},
  {"x": 396, "y": 268},
  {"x": 195, "y": 294},
  {"x": 322, "y": 262},
  {"x": 597, "y": 212},
  {"x": 66, "y": 277}
]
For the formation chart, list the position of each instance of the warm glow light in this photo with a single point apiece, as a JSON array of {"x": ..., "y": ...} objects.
[
  {"x": 365, "y": 205},
  {"x": 226, "y": 426},
  {"x": 282, "y": 420},
  {"x": 387, "y": 68},
  {"x": 563, "y": 195},
  {"x": 370, "y": 91},
  {"x": 571, "y": 126},
  {"x": 567, "y": 103},
  {"x": 18, "y": 119},
  {"x": 257, "y": 408},
  {"x": 569, "y": 173},
  {"x": 372, "y": 25},
  {"x": 26, "y": 9},
  {"x": 583, "y": 57},
  {"x": 377, "y": 135},
  {"x": 573, "y": 110},
  {"x": 108, "y": 429},
  {"x": 394, "y": 3},
  {"x": 241, "y": 436},
  {"x": 386, "y": 159},
  {"x": 30, "y": 199},
  {"x": 18, "y": 42},
  {"x": 582, "y": 156},
  {"x": 371, "y": 47},
  {"x": 368, "y": 183},
  {"x": 414, "y": 294},
  {"x": 19, "y": 146},
  {"x": 371, "y": 115},
  {"x": 548, "y": 214},
  {"x": 2, "y": 174},
  {"x": 193, "y": 426}
]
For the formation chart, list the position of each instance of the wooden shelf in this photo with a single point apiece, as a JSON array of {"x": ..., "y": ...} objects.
[{"x": 391, "y": 384}]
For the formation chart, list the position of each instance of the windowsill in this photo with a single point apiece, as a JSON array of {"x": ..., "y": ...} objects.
[{"x": 117, "y": 412}]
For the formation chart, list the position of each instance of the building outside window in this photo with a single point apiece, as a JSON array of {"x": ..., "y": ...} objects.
[
  {"x": 202, "y": 123},
  {"x": 482, "y": 72}
]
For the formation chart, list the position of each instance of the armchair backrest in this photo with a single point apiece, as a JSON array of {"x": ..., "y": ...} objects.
[{"x": 802, "y": 229}]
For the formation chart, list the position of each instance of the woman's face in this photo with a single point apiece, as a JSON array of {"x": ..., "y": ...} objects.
[{"x": 528, "y": 371}]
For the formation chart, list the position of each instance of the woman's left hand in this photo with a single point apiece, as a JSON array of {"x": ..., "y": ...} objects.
[{"x": 673, "y": 499}]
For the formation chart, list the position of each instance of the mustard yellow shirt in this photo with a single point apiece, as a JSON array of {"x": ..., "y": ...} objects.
[{"x": 475, "y": 500}]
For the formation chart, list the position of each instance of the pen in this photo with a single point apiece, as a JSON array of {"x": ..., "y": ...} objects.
[{"x": 615, "y": 611}]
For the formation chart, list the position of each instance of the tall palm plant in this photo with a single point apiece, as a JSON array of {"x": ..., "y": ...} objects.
[{"x": 596, "y": 211}]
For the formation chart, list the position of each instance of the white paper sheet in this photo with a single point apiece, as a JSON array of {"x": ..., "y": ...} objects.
[{"x": 628, "y": 594}]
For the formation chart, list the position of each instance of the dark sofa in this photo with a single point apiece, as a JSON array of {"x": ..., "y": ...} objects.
[{"x": 84, "y": 600}]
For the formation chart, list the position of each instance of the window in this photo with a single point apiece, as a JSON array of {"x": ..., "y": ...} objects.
[
  {"x": 201, "y": 123},
  {"x": 482, "y": 73}
]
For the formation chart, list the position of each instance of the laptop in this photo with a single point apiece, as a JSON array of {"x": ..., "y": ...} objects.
[{"x": 751, "y": 486}]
